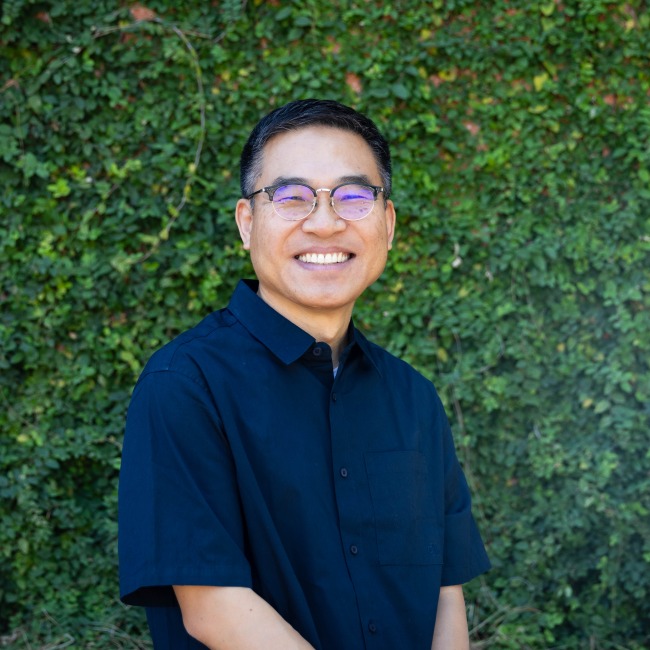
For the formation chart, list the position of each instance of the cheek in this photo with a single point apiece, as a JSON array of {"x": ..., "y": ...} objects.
[
  {"x": 382, "y": 238},
  {"x": 266, "y": 244},
  {"x": 260, "y": 238}
]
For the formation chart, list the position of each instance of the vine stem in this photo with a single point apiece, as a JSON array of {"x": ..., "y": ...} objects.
[{"x": 198, "y": 75}]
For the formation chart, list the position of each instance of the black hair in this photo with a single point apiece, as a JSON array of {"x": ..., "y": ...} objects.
[{"x": 311, "y": 112}]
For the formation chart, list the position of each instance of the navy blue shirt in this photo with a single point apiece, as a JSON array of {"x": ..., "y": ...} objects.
[{"x": 339, "y": 500}]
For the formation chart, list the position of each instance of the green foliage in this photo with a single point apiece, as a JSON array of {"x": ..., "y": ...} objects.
[{"x": 519, "y": 282}]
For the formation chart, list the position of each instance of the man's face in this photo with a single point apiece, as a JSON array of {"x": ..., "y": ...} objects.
[{"x": 291, "y": 281}]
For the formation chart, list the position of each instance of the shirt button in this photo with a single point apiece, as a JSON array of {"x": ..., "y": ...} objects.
[
  {"x": 372, "y": 627},
  {"x": 344, "y": 472},
  {"x": 334, "y": 397},
  {"x": 317, "y": 352},
  {"x": 353, "y": 549}
]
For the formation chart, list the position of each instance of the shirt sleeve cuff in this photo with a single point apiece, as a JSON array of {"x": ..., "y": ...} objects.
[{"x": 464, "y": 553}]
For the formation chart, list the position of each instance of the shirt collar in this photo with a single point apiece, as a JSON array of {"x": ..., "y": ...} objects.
[
  {"x": 282, "y": 337},
  {"x": 367, "y": 348}
]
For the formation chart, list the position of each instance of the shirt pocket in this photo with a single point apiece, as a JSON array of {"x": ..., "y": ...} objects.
[{"x": 408, "y": 531}]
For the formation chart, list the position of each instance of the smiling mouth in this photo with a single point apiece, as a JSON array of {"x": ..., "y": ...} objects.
[{"x": 324, "y": 258}]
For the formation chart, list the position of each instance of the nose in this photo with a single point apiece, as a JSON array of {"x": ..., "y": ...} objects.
[{"x": 323, "y": 221}]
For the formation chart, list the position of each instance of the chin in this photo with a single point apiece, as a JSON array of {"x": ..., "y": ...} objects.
[{"x": 336, "y": 301}]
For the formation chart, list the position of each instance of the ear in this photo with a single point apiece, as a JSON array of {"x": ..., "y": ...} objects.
[
  {"x": 391, "y": 218},
  {"x": 244, "y": 219}
]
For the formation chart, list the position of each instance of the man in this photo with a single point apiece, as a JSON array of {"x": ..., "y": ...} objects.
[{"x": 285, "y": 483}]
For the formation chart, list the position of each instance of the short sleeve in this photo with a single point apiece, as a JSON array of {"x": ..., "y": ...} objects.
[
  {"x": 180, "y": 520},
  {"x": 464, "y": 555}
]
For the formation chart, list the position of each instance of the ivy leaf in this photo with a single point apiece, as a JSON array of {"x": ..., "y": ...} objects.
[{"x": 400, "y": 90}]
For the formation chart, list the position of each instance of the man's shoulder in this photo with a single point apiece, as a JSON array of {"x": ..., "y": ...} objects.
[
  {"x": 391, "y": 365},
  {"x": 411, "y": 389},
  {"x": 189, "y": 350}
]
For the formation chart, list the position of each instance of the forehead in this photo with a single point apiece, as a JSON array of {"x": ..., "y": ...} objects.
[{"x": 319, "y": 154}]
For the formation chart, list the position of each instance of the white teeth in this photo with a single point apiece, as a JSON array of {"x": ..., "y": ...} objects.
[{"x": 327, "y": 258}]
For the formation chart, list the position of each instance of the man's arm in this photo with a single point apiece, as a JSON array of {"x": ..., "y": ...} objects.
[
  {"x": 235, "y": 618},
  {"x": 451, "y": 621}
]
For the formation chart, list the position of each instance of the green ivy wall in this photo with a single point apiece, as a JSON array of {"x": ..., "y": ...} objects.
[{"x": 520, "y": 281}]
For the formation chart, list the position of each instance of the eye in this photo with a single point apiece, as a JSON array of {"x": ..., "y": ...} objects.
[
  {"x": 347, "y": 193},
  {"x": 293, "y": 202},
  {"x": 292, "y": 193}
]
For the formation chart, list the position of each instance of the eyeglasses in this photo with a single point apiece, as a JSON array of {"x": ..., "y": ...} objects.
[{"x": 351, "y": 201}]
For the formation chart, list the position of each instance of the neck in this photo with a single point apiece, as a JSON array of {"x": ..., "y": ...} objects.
[
  {"x": 325, "y": 325},
  {"x": 334, "y": 336}
]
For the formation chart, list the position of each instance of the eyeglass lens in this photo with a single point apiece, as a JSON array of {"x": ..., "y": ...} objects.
[{"x": 351, "y": 201}]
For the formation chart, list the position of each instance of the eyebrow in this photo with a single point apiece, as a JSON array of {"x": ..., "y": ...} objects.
[{"x": 288, "y": 180}]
